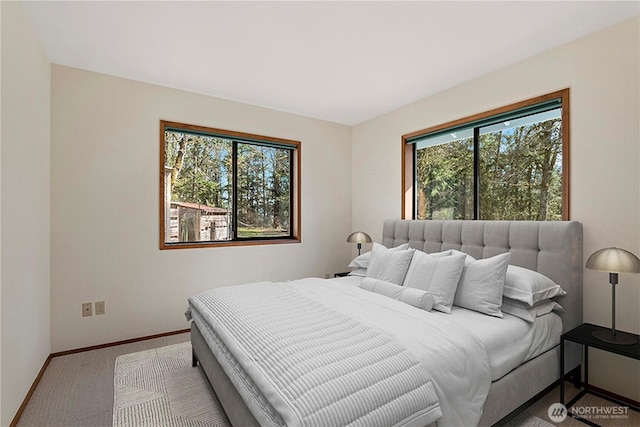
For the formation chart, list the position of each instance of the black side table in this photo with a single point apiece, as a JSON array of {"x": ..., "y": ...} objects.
[{"x": 583, "y": 334}]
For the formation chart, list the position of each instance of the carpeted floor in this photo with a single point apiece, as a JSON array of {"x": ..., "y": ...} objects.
[{"x": 78, "y": 390}]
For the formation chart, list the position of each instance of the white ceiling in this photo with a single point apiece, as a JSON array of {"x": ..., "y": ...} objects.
[{"x": 345, "y": 62}]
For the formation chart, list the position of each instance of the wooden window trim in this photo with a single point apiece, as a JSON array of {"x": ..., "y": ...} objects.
[
  {"x": 408, "y": 150},
  {"x": 296, "y": 221}
]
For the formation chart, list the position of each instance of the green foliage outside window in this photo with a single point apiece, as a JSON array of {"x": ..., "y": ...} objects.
[
  {"x": 520, "y": 173},
  {"x": 201, "y": 168},
  {"x": 445, "y": 181},
  {"x": 202, "y": 175}
]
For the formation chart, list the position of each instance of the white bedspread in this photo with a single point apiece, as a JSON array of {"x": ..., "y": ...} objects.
[
  {"x": 510, "y": 341},
  {"x": 455, "y": 359}
]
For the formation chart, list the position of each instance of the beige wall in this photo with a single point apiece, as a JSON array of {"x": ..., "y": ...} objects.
[
  {"x": 79, "y": 218},
  {"x": 104, "y": 207},
  {"x": 602, "y": 72},
  {"x": 24, "y": 165}
]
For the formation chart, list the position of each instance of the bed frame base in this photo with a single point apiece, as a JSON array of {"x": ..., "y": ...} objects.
[
  {"x": 504, "y": 401},
  {"x": 231, "y": 401},
  {"x": 506, "y": 395}
]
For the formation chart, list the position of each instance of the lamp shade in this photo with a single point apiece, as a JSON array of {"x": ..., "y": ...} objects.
[
  {"x": 614, "y": 260},
  {"x": 359, "y": 237}
]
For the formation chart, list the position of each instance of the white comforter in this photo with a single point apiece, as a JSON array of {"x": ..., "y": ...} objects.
[{"x": 456, "y": 361}]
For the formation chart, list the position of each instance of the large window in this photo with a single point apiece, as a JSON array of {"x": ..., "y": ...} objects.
[
  {"x": 506, "y": 164},
  {"x": 221, "y": 187}
]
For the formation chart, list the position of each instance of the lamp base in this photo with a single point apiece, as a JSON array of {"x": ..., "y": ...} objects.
[{"x": 621, "y": 338}]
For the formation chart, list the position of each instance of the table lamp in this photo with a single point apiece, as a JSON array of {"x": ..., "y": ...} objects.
[
  {"x": 359, "y": 237},
  {"x": 614, "y": 260}
]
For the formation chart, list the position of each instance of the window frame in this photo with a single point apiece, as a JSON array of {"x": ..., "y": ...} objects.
[
  {"x": 240, "y": 137},
  {"x": 408, "y": 159}
]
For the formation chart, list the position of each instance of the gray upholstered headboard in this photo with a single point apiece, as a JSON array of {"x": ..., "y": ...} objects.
[{"x": 553, "y": 248}]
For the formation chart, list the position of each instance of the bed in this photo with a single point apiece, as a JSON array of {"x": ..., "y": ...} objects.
[{"x": 553, "y": 249}]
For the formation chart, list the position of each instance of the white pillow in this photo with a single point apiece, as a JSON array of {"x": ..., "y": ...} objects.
[
  {"x": 443, "y": 253},
  {"x": 529, "y": 286},
  {"x": 481, "y": 284},
  {"x": 525, "y": 312},
  {"x": 437, "y": 275},
  {"x": 362, "y": 261},
  {"x": 414, "y": 297},
  {"x": 389, "y": 265}
]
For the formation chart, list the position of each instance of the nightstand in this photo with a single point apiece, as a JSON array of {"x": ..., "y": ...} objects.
[
  {"x": 343, "y": 274},
  {"x": 583, "y": 334}
]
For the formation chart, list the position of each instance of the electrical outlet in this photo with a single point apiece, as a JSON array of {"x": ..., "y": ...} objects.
[
  {"x": 99, "y": 307},
  {"x": 86, "y": 309}
]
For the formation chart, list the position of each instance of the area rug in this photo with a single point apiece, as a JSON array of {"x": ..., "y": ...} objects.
[
  {"x": 528, "y": 420},
  {"x": 159, "y": 387}
]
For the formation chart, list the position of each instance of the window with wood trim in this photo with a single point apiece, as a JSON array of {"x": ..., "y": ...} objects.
[
  {"x": 220, "y": 188},
  {"x": 511, "y": 163}
]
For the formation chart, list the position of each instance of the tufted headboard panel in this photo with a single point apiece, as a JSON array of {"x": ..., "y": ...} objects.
[{"x": 553, "y": 248}]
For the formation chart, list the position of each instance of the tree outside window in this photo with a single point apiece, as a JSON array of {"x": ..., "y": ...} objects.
[
  {"x": 506, "y": 164},
  {"x": 223, "y": 187}
]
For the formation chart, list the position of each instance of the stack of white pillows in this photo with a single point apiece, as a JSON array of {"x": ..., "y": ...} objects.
[{"x": 437, "y": 281}]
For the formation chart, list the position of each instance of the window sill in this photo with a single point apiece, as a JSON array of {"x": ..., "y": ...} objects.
[{"x": 258, "y": 242}]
